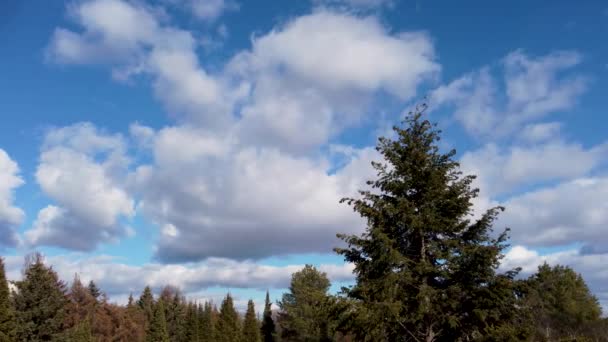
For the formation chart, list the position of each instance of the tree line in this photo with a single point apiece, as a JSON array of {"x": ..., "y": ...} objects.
[{"x": 425, "y": 270}]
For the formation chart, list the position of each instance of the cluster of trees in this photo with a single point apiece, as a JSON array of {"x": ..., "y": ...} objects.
[{"x": 426, "y": 270}]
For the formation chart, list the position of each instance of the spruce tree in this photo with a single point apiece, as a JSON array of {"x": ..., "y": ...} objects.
[
  {"x": 94, "y": 290},
  {"x": 425, "y": 269},
  {"x": 207, "y": 324},
  {"x": 7, "y": 313},
  {"x": 191, "y": 326},
  {"x": 228, "y": 327},
  {"x": 304, "y": 310},
  {"x": 268, "y": 327},
  {"x": 40, "y": 302},
  {"x": 251, "y": 328},
  {"x": 146, "y": 304},
  {"x": 157, "y": 330}
]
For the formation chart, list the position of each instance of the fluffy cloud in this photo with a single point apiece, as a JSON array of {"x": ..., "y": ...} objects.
[
  {"x": 533, "y": 87},
  {"x": 300, "y": 75},
  {"x": 10, "y": 215},
  {"x": 81, "y": 169},
  {"x": 117, "y": 278},
  {"x": 571, "y": 212},
  {"x": 134, "y": 40},
  {"x": 213, "y": 197},
  {"x": 510, "y": 169}
]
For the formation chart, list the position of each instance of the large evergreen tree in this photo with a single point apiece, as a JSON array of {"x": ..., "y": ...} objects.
[
  {"x": 146, "y": 304},
  {"x": 268, "y": 326},
  {"x": 562, "y": 305},
  {"x": 228, "y": 327},
  {"x": 425, "y": 269},
  {"x": 7, "y": 313},
  {"x": 207, "y": 331},
  {"x": 40, "y": 302},
  {"x": 304, "y": 312},
  {"x": 251, "y": 327},
  {"x": 157, "y": 330},
  {"x": 191, "y": 326}
]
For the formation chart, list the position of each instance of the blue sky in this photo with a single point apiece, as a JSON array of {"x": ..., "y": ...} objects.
[{"x": 207, "y": 142}]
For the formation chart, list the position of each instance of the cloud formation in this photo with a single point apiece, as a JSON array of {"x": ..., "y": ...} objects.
[
  {"x": 11, "y": 216},
  {"x": 532, "y": 88},
  {"x": 82, "y": 170}
]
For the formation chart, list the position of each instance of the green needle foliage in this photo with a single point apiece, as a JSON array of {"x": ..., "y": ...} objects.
[
  {"x": 40, "y": 302},
  {"x": 268, "y": 326},
  {"x": 425, "y": 269},
  {"x": 7, "y": 313},
  {"x": 304, "y": 309},
  {"x": 157, "y": 331},
  {"x": 251, "y": 328},
  {"x": 228, "y": 326}
]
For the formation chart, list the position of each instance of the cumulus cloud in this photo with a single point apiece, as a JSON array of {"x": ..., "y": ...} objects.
[
  {"x": 570, "y": 212},
  {"x": 10, "y": 215},
  {"x": 118, "y": 278},
  {"x": 300, "y": 74},
  {"x": 533, "y": 88},
  {"x": 507, "y": 170},
  {"x": 214, "y": 197},
  {"x": 82, "y": 170},
  {"x": 134, "y": 40}
]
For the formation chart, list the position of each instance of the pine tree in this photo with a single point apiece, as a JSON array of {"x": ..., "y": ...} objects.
[
  {"x": 40, "y": 302},
  {"x": 7, "y": 313},
  {"x": 207, "y": 324},
  {"x": 228, "y": 329},
  {"x": 304, "y": 311},
  {"x": 424, "y": 270},
  {"x": 94, "y": 290},
  {"x": 192, "y": 324},
  {"x": 157, "y": 331},
  {"x": 146, "y": 304},
  {"x": 268, "y": 327},
  {"x": 251, "y": 328}
]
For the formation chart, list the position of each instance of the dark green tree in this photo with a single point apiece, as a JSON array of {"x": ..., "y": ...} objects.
[
  {"x": 40, "y": 302},
  {"x": 146, "y": 304},
  {"x": 81, "y": 332},
  {"x": 228, "y": 325},
  {"x": 7, "y": 314},
  {"x": 251, "y": 327},
  {"x": 157, "y": 330},
  {"x": 562, "y": 305},
  {"x": 192, "y": 324},
  {"x": 94, "y": 290},
  {"x": 425, "y": 269},
  {"x": 207, "y": 330},
  {"x": 268, "y": 327},
  {"x": 304, "y": 312}
]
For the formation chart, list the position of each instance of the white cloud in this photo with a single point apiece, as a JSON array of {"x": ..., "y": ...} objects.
[
  {"x": 533, "y": 88},
  {"x": 10, "y": 215},
  {"x": 210, "y": 10},
  {"x": 221, "y": 199},
  {"x": 540, "y": 132},
  {"x": 134, "y": 40},
  {"x": 118, "y": 279},
  {"x": 571, "y": 212},
  {"x": 315, "y": 75},
  {"x": 507, "y": 170},
  {"x": 83, "y": 170}
]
